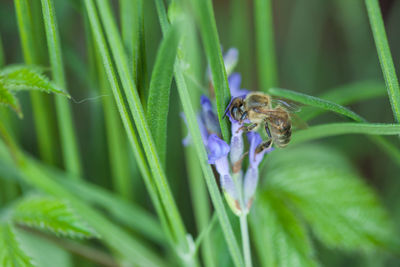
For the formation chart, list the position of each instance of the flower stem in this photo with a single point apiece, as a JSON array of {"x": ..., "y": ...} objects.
[{"x": 245, "y": 240}]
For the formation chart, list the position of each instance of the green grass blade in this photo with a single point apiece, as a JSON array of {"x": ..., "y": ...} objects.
[
  {"x": 140, "y": 121},
  {"x": 137, "y": 149},
  {"x": 201, "y": 152},
  {"x": 159, "y": 92},
  {"x": 122, "y": 179},
  {"x": 315, "y": 102},
  {"x": 65, "y": 123},
  {"x": 328, "y": 105},
  {"x": 266, "y": 61},
  {"x": 348, "y": 94},
  {"x": 208, "y": 29},
  {"x": 385, "y": 57},
  {"x": 207, "y": 171},
  {"x": 41, "y": 110},
  {"x": 333, "y": 129}
]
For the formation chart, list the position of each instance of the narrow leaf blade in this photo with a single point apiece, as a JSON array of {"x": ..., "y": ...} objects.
[{"x": 159, "y": 92}]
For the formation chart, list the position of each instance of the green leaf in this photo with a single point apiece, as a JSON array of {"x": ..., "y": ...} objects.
[
  {"x": 11, "y": 254},
  {"x": 332, "y": 129},
  {"x": 208, "y": 28},
  {"x": 315, "y": 102},
  {"x": 200, "y": 150},
  {"x": 52, "y": 214},
  {"x": 118, "y": 208},
  {"x": 124, "y": 114},
  {"x": 66, "y": 127},
  {"x": 345, "y": 95},
  {"x": 281, "y": 237},
  {"x": 341, "y": 209},
  {"x": 158, "y": 180},
  {"x": 385, "y": 57},
  {"x": 7, "y": 98},
  {"x": 159, "y": 92},
  {"x": 26, "y": 77}
]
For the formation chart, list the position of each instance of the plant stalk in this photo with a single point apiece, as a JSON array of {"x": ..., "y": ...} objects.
[{"x": 245, "y": 240}]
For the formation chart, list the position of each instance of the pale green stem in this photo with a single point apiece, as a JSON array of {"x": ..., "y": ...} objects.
[{"x": 245, "y": 240}]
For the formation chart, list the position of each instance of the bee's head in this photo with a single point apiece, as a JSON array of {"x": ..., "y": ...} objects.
[{"x": 236, "y": 109}]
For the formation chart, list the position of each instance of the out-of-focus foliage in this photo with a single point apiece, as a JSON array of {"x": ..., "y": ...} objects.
[
  {"x": 318, "y": 187},
  {"x": 11, "y": 254}
]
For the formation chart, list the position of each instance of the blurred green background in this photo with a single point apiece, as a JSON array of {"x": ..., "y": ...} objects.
[{"x": 319, "y": 45}]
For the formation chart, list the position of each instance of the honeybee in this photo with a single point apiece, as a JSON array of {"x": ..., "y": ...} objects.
[{"x": 264, "y": 110}]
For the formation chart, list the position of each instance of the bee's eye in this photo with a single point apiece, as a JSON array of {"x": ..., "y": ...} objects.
[{"x": 235, "y": 113}]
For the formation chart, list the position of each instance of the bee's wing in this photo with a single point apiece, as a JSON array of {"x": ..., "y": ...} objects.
[
  {"x": 297, "y": 122},
  {"x": 286, "y": 104}
]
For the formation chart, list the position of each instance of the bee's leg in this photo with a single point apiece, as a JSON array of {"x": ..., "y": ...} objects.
[
  {"x": 268, "y": 131},
  {"x": 248, "y": 128},
  {"x": 266, "y": 144}
]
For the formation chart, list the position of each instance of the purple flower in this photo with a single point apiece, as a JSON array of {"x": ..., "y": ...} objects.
[
  {"x": 234, "y": 80},
  {"x": 217, "y": 149},
  {"x": 238, "y": 192},
  {"x": 208, "y": 116},
  {"x": 251, "y": 176},
  {"x": 237, "y": 147},
  {"x": 231, "y": 58}
]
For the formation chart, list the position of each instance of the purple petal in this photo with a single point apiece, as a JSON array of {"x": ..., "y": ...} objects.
[
  {"x": 254, "y": 140},
  {"x": 250, "y": 185},
  {"x": 217, "y": 148},
  {"x": 234, "y": 81},
  {"x": 230, "y": 59},
  {"x": 228, "y": 186},
  {"x": 208, "y": 116},
  {"x": 236, "y": 143}
]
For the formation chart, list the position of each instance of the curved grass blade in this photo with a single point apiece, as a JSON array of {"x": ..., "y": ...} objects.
[
  {"x": 315, "y": 102},
  {"x": 328, "y": 105},
  {"x": 200, "y": 150},
  {"x": 209, "y": 34},
  {"x": 347, "y": 94},
  {"x": 124, "y": 114},
  {"x": 137, "y": 112},
  {"x": 64, "y": 114},
  {"x": 266, "y": 61},
  {"x": 333, "y": 129},
  {"x": 385, "y": 57},
  {"x": 159, "y": 92}
]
